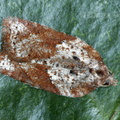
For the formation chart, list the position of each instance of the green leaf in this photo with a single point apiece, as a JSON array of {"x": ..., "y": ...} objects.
[{"x": 97, "y": 23}]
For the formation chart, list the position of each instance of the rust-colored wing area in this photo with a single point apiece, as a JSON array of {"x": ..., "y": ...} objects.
[
  {"x": 24, "y": 40},
  {"x": 32, "y": 74}
]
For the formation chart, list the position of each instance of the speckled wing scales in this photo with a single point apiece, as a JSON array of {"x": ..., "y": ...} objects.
[
  {"x": 51, "y": 60},
  {"x": 25, "y": 40}
]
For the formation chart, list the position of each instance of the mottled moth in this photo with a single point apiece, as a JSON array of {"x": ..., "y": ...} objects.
[{"x": 51, "y": 60}]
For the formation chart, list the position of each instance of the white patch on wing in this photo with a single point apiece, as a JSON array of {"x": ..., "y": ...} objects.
[
  {"x": 6, "y": 64},
  {"x": 73, "y": 48},
  {"x": 22, "y": 47},
  {"x": 60, "y": 75},
  {"x": 17, "y": 27}
]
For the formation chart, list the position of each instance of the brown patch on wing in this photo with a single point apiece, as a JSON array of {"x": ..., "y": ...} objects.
[
  {"x": 92, "y": 52},
  {"x": 38, "y": 75},
  {"x": 83, "y": 89},
  {"x": 32, "y": 74}
]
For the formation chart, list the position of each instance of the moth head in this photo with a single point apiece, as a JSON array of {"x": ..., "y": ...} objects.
[
  {"x": 109, "y": 80},
  {"x": 105, "y": 76}
]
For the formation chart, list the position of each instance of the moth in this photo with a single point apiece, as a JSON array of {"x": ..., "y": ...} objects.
[{"x": 51, "y": 60}]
